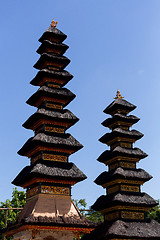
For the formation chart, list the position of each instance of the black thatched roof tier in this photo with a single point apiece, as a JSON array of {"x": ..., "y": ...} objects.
[
  {"x": 134, "y": 199},
  {"x": 53, "y": 34},
  {"x": 120, "y": 117},
  {"x": 120, "y": 151},
  {"x": 55, "y": 93},
  {"x": 120, "y": 173},
  {"x": 41, "y": 139},
  {"x": 43, "y": 114},
  {"x": 48, "y": 169},
  {"x": 119, "y": 132},
  {"x": 125, "y": 230},
  {"x": 60, "y": 220},
  {"x": 58, "y": 48},
  {"x": 52, "y": 59},
  {"x": 50, "y": 75},
  {"x": 119, "y": 104}
]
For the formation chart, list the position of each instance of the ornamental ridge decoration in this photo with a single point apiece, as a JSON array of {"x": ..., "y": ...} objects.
[
  {"x": 54, "y": 129},
  {"x": 118, "y": 95},
  {"x": 55, "y": 190},
  {"x": 128, "y": 165},
  {"x": 120, "y": 181},
  {"x": 57, "y": 158},
  {"x": 120, "y": 207},
  {"x": 132, "y": 215},
  {"x": 53, "y": 85},
  {"x": 127, "y": 188},
  {"x": 119, "y": 158},
  {"x": 54, "y": 23},
  {"x": 52, "y": 105}
]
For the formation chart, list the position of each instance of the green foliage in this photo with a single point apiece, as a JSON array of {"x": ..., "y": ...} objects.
[
  {"x": 89, "y": 214},
  {"x": 80, "y": 204},
  {"x": 94, "y": 216},
  {"x": 18, "y": 200},
  {"x": 154, "y": 213}
]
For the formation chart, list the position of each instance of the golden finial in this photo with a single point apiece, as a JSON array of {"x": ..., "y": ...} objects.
[
  {"x": 54, "y": 24},
  {"x": 118, "y": 95}
]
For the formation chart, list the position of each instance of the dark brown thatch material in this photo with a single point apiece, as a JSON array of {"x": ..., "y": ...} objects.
[
  {"x": 120, "y": 229},
  {"x": 51, "y": 45},
  {"x": 51, "y": 74},
  {"x": 48, "y": 169},
  {"x": 119, "y": 132},
  {"x": 72, "y": 221},
  {"x": 129, "y": 199},
  {"x": 119, "y": 151},
  {"x": 51, "y": 58},
  {"x": 58, "y": 93},
  {"x": 119, "y": 104},
  {"x": 60, "y": 220},
  {"x": 119, "y": 117},
  {"x": 66, "y": 141},
  {"x": 53, "y": 32},
  {"x": 120, "y": 173},
  {"x": 43, "y": 114}
]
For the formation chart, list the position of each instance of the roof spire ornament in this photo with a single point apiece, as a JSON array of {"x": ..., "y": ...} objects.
[
  {"x": 118, "y": 95},
  {"x": 54, "y": 23}
]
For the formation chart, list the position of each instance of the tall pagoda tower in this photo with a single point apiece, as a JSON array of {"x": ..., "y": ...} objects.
[
  {"x": 124, "y": 205},
  {"x": 49, "y": 212}
]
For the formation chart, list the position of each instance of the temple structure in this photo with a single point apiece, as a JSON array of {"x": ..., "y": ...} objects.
[
  {"x": 49, "y": 212},
  {"x": 125, "y": 205}
]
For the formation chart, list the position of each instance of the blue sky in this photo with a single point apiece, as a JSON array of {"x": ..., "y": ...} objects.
[{"x": 114, "y": 44}]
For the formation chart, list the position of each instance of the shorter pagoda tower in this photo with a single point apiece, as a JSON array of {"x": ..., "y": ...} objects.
[
  {"x": 124, "y": 205},
  {"x": 49, "y": 212}
]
